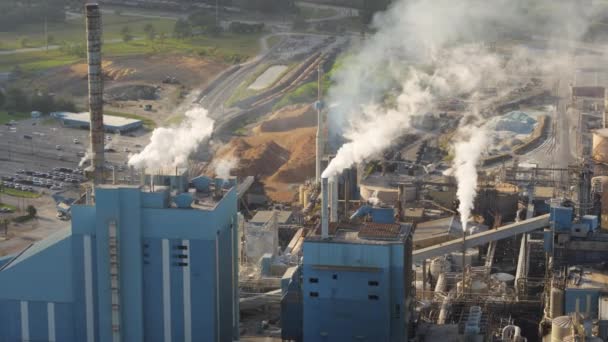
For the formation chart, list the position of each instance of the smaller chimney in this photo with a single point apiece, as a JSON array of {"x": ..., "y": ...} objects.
[
  {"x": 333, "y": 199},
  {"x": 347, "y": 175},
  {"x": 400, "y": 202},
  {"x": 324, "y": 211}
]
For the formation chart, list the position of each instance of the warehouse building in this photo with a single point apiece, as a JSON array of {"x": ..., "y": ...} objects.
[
  {"x": 137, "y": 265},
  {"x": 111, "y": 123}
]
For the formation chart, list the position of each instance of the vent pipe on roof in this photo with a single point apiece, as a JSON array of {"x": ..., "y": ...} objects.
[
  {"x": 93, "y": 15},
  {"x": 324, "y": 211}
]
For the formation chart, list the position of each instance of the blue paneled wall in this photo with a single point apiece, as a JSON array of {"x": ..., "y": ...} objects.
[{"x": 176, "y": 270}]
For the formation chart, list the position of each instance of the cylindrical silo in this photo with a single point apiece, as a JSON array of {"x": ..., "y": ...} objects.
[
  {"x": 442, "y": 284},
  {"x": 471, "y": 257},
  {"x": 561, "y": 328},
  {"x": 438, "y": 266},
  {"x": 556, "y": 302},
  {"x": 479, "y": 287},
  {"x": 506, "y": 278}
]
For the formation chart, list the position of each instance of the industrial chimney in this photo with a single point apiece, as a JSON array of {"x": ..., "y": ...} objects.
[
  {"x": 320, "y": 139},
  {"x": 93, "y": 15},
  {"x": 324, "y": 211}
]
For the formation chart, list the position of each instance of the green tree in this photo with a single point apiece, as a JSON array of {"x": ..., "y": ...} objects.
[
  {"x": 43, "y": 103},
  {"x": 2, "y": 99},
  {"x": 150, "y": 31},
  {"x": 51, "y": 39},
  {"x": 17, "y": 100},
  {"x": 24, "y": 42},
  {"x": 182, "y": 29},
  {"x": 126, "y": 34},
  {"x": 31, "y": 211}
]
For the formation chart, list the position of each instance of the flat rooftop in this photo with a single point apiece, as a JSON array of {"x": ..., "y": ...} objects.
[
  {"x": 108, "y": 120},
  {"x": 590, "y": 278},
  {"x": 364, "y": 233}
]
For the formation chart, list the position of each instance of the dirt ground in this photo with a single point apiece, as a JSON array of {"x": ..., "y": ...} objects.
[
  {"x": 189, "y": 72},
  {"x": 280, "y": 151}
]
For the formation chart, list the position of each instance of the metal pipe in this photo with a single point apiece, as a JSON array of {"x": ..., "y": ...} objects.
[
  {"x": 346, "y": 192},
  {"x": 333, "y": 198},
  {"x": 94, "y": 41},
  {"x": 324, "y": 211}
]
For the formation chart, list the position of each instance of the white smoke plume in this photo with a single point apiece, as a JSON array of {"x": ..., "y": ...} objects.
[
  {"x": 468, "y": 147},
  {"x": 171, "y": 147},
  {"x": 85, "y": 158},
  {"x": 432, "y": 50},
  {"x": 222, "y": 167}
]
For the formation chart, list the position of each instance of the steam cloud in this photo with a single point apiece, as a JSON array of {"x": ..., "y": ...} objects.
[
  {"x": 467, "y": 148},
  {"x": 438, "y": 50},
  {"x": 171, "y": 147},
  {"x": 222, "y": 167}
]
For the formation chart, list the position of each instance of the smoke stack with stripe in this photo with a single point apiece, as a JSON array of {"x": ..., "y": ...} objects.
[{"x": 93, "y": 15}]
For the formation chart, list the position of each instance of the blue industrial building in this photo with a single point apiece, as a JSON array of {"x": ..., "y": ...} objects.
[
  {"x": 354, "y": 285},
  {"x": 138, "y": 265}
]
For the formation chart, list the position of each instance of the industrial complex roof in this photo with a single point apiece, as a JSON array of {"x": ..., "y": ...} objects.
[
  {"x": 366, "y": 233},
  {"x": 589, "y": 279},
  {"x": 263, "y": 216}
]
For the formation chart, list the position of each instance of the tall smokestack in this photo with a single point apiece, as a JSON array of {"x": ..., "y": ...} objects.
[
  {"x": 95, "y": 90},
  {"x": 324, "y": 211},
  {"x": 320, "y": 138}
]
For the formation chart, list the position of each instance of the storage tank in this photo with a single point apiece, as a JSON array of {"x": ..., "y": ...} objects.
[
  {"x": 506, "y": 278},
  {"x": 479, "y": 287},
  {"x": 561, "y": 328},
  {"x": 599, "y": 150},
  {"x": 438, "y": 266},
  {"x": 556, "y": 302},
  {"x": 471, "y": 257}
]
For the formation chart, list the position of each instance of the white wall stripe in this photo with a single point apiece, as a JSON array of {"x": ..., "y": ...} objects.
[
  {"x": 217, "y": 286},
  {"x": 25, "y": 321},
  {"x": 50, "y": 312},
  {"x": 187, "y": 294},
  {"x": 88, "y": 288},
  {"x": 166, "y": 290}
]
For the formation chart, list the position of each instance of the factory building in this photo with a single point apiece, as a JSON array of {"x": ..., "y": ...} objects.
[
  {"x": 137, "y": 265},
  {"x": 354, "y": 285},
  {"x": 111, "y": 123}
]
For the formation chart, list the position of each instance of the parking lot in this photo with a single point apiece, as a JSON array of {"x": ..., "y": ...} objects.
[{"x": 42, "y": 146}]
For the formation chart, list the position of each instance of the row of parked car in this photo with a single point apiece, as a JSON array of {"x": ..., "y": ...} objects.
[{"x": 54, "y": 180}]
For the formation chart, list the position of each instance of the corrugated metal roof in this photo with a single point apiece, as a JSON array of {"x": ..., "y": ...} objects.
[{"x": 380, "y": 231}]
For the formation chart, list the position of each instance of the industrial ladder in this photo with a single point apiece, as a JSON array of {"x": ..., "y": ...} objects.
[{"x": 113, "y": 245}]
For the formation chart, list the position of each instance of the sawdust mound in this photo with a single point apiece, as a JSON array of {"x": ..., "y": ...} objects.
[
  {"x": 261, "y": 160},
  {"x": 111, "y": 71},
  {"x": 300, "y": 166},
  {"x": 289, "y": 118}
]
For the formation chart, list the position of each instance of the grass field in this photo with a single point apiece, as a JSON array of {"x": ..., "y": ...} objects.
[
  {"x": 11, "y": 207},
  {"x": 309, "y": 12},
  {"x": 19, "y": 193},
  {"x": 72, "y": 30},
  {"x": 228, "y": 48},
  {"x": 6, "y": 117}
]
